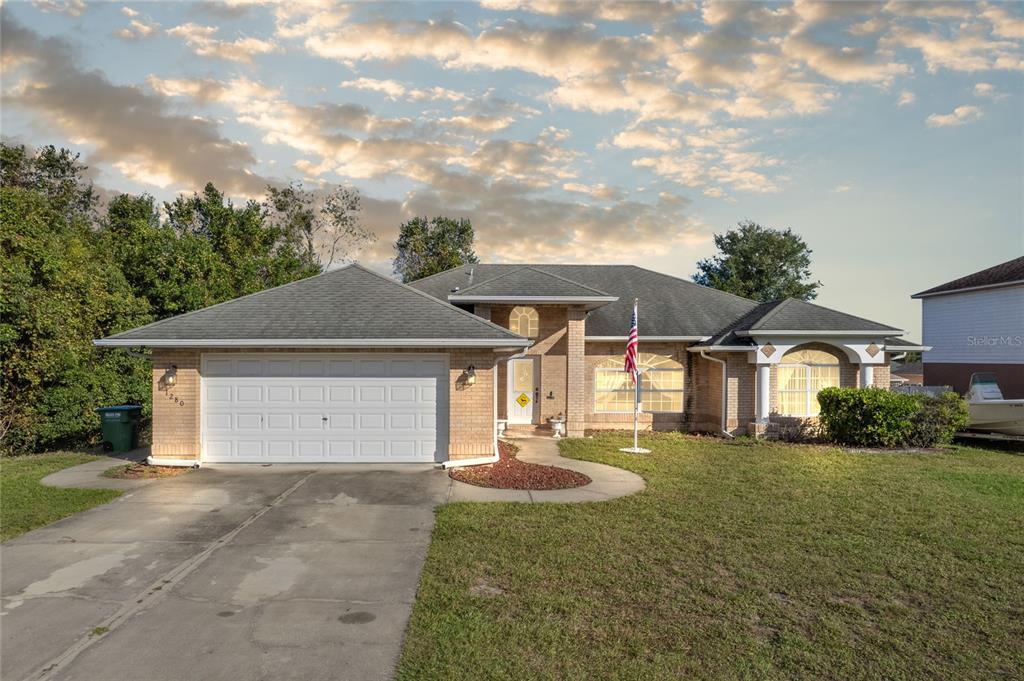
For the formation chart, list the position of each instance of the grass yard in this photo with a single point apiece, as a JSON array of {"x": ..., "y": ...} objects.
[
  {"x": 740, "y": 561},
  {"x": 25, "y": 504}
]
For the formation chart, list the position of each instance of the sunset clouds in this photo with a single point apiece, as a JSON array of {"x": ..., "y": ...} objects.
[{"x": 548, "y": 122}]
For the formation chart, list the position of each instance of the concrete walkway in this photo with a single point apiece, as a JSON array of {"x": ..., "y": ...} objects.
[
  {"x": 90, "y": 475},
  {"x": 607, "y": 482}
]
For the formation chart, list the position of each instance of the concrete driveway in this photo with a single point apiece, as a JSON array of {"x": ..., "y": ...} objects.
[{"x": 249, "y": 573}]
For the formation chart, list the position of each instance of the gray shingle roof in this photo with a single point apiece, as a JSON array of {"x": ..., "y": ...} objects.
[
  {"x": 669, "y": 306},
  {"x": 793, "y": 314},
  {"x": 529, "y": 281},
  {"x": 1009, "y": 272},
  {"x": 349, "y": 304}
]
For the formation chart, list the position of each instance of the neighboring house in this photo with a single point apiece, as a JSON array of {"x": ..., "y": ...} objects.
[
  {"x": 353, "y": 366},
  {"x": 911, "y": 373},
  {"x": 976, "y": 324}
]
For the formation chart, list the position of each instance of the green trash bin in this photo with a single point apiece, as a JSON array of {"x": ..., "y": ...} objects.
[{"x": 120, "y": 433}]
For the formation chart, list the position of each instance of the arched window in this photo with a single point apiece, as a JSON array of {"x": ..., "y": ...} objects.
[
  {"x": 661, "y": 385},
  {"x": 525, "y": 321},
  {"x": 801, "y": 374}
]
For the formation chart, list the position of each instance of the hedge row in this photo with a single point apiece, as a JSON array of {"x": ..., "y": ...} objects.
[{"x": 870, "y": 417}]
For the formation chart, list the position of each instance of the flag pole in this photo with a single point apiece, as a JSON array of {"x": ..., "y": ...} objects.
[
  {"x": 635, "y": 371},
  {"x": 636, "y": 382}
]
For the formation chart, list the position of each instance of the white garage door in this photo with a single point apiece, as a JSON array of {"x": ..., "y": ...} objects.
[{"x": 324, "y": 407}]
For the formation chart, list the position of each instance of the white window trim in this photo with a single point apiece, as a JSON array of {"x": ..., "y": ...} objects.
[
  {"x": 529, "y": 321},
  {"x": 807, "y": 383},
  {"x": 597, "y": 391}
]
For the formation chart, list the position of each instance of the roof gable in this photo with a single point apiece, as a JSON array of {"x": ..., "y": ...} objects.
[
  {"x": 799, "y": 315},
  {"x": 346, "y": 306}
]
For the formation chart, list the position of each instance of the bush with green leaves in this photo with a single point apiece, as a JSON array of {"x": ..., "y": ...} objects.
[{"x": 871, "y": 417}]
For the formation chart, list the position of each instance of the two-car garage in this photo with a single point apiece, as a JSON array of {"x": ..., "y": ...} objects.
[{"x": 324, "y": 407}]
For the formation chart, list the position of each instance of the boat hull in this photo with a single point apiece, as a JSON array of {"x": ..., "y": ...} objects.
[{"x": 997, "y": 416}]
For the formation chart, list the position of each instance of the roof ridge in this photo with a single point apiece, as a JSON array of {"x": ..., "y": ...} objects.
[
  {"x": 693, "y": 283},
  {"x": 776, "y": 306},
  {"x": 535, "y": 268},
  {"x": 438, "y": 274},
  {"x": 443, "y": 303},
  {"x": 532, "y": 268},
  {"x": 231, "y": 300}
]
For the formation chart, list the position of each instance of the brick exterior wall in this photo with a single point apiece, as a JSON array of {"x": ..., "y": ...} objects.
[
  {"x": 575, "y": 375},
  {"x": 177, "y": 410},
  {"x": 597, "y": 354},
  {"x": 471, "y": 408}
]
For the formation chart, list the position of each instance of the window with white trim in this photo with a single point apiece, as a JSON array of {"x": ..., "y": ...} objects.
[
  {"x": 525, "y": 321},
  {"x": 801, "y": 374},
  {"x": 661, "y": 385}
]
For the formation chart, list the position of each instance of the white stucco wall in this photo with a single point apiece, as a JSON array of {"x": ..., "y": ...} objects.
[{"x": 975, "y": 327}]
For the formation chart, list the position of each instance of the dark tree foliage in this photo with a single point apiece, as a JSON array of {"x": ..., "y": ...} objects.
[
  {"x": 428, "y": 246},
  {"x": 58, "y": 291},
  {"x": 760, "y": 263}
]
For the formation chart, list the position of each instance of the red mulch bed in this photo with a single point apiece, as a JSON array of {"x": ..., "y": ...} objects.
[{"x": 511, "y": 473}]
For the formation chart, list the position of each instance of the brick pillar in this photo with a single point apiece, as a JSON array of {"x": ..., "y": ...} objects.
[{"x": 575, "y": 372}]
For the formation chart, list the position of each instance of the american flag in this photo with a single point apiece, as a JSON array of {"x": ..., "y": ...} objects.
[{"x": 631, "y": 345}]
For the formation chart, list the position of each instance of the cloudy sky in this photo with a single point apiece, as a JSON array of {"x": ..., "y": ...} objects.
[{"x": 890, "y": 135}]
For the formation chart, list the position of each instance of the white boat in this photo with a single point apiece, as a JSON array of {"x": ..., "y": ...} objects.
[{"x": 989, "y": 412}]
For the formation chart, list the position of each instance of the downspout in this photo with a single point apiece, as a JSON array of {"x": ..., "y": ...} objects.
[{"x": 725, "y": 393}]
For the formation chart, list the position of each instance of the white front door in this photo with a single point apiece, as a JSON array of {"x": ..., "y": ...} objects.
[
  {"x": 521, "y": 390},
  {"x": 324, "y": 407}
]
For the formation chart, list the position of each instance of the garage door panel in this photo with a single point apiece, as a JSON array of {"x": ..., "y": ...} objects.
[
  {"x": 341, "y": 422},
  {"x": 280, "y": 449},
  {"x": 374, "y": 408},
  {"x": 341, "y": 368},
  {"x": 278, "y": 421},
  {"x": 311, "y": 367},
  {"x": 404, "y": 422},
  {"x": 342, "y": 394},
  {"x": 248, "y": 422},
  {"x": 371, "y": 421},
  {"x": 248, "y": 449},
  {"x": 280, "y": 393},
  {"x": 249, "y": 393},
  {"x": 280, "y": 367},
  {"x": 310, "y": 422},
  {"x": 311, "y": 393}
]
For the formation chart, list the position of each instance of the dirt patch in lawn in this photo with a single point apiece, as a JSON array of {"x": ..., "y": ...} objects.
[
  {"x": 511, "y": 473},
  {"x": 143, "y": 471}
]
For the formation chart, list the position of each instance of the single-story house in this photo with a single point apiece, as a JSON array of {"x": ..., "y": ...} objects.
[
  {"x": 353, "y": 366},
  {"x": 976, "y": 324},
  {"x": 906, "y": 373}
]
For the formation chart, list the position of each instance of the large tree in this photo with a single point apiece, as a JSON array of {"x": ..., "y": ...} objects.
[
  {"x": 760, "y": 263},
  {"x": 428, "y": 246},
  {"x": 58, "y": 291},
  {"x": 323, "y": 226}
]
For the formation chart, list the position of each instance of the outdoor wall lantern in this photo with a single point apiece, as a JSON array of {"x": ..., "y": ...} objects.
[
  {"x": 171, "y": 376},
  {"x": 470, "y": 375}
]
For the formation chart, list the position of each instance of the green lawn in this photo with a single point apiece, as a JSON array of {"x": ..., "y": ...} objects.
[
  {"x": 25, "y": 504},
  {"x": 752, "y": 561}
]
